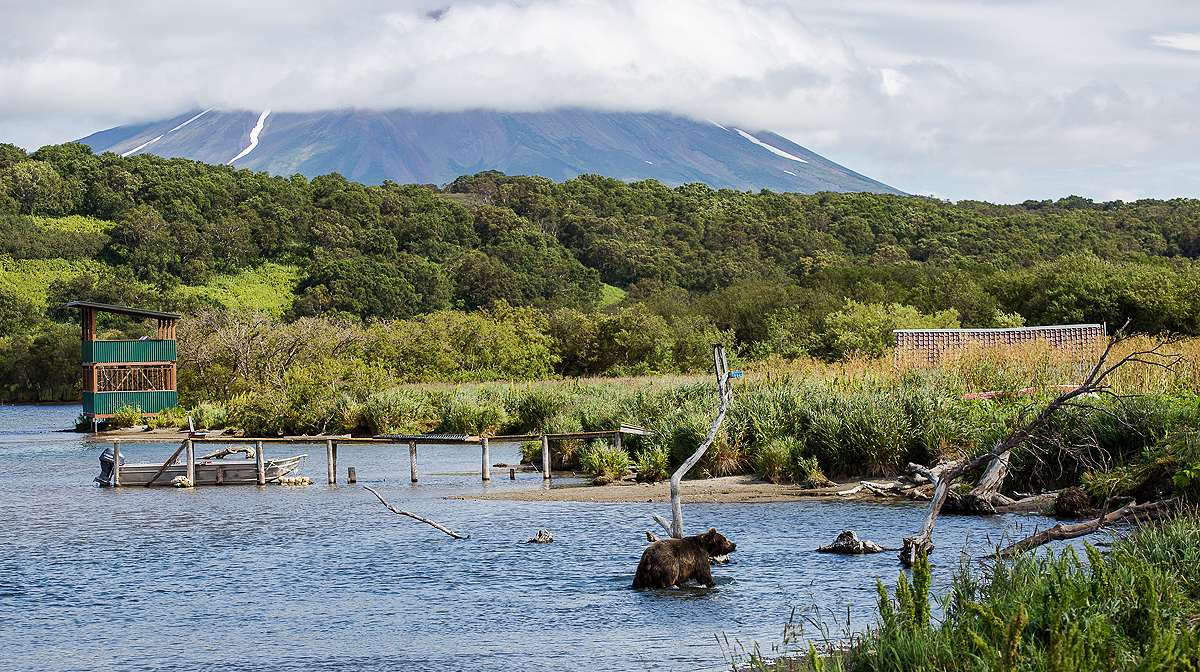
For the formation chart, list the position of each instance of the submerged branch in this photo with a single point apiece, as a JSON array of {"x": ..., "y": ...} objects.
[
  {"x": 413, "y": 515},
  {"x": 1061, "y": 531}
]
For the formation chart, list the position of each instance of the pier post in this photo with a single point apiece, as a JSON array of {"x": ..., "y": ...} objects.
[
  {"x": 545, "y": 457},
  {"x": 258, "y": 463},
  {"x": 412, "y": 459},
  {"x": 351, "y": 475},
  {"x": 618, "y": 442},
  {"x": 487, "y": 467},
  {"x": 191, "y": 462},
  {"x": 329, "y": 461},
  {"x": 116, "y": 463}
]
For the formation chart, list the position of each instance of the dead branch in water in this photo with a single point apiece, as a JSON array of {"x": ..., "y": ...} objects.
[
  {"x": 413, "y": 515},
  {"x": 1093, "y": 385},
  {"x": 1061, "y": 531}
]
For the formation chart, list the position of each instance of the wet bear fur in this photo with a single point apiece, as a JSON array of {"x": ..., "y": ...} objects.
[{"x": 670, "y": 562}]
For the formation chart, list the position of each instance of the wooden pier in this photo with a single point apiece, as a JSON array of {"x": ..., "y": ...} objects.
[{"x": 331, "y": 444}]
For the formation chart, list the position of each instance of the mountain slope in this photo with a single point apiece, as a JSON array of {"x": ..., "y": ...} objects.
[{"x": 436, "y": 147}]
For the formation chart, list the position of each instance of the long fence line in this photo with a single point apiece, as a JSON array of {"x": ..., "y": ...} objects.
[{"x": 331, "y": 448}]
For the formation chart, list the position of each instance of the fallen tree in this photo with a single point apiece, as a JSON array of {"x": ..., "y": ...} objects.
[
  {"x": 1093, "y": 385},
  {"x": 1061, "y": 531}
]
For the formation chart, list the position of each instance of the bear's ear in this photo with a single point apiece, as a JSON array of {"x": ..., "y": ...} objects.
[{"x": 710, "y": 534}]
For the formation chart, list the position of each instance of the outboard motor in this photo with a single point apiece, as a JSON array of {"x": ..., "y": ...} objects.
[{"x": 106, "y": 466}]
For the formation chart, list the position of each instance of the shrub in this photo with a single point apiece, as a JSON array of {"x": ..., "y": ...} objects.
[
  {"x": 807, "y": 472},
  {"x": 653, "y": 464},
  {"x": 167, "y": 418},
  {"x": 349, "y": 414},
  {"x": 564, "y": 454},
  {"x": 773, "y": 462},
  {"x": 126, "y": 416},
  {"x": 209, "y": 416},
  {"x": 462, "y": 413},
  {"x": 604, "y": 459},
  {"x": 398, "y": 411},
  {"x": 531, "y": 407}
]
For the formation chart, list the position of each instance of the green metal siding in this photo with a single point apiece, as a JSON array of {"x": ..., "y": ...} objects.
[
  {"x": 107, "y": 403},
  {"x": 105, "y": 352}
]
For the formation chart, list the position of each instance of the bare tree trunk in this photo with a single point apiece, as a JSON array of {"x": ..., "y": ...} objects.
[
  {"x": 993, "y": 477},
  {"x": 725, "y": 389},
  {"x": 1092, "y": 385}
]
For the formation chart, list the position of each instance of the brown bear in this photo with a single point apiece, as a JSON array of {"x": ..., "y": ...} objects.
[{"x": 670, "y": 562}]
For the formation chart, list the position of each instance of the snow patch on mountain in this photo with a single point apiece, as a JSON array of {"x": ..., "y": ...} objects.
[
  {"x": 773, "y": 150},
  {"x": 146, "y": 144},
  {"x": 142, "y": 146},
  {"x": 262, "y": 119}
]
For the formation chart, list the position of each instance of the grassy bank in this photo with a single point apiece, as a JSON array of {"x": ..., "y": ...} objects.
[
  {"x": 790, "y": 420},
  {"x": 1131, "y": 608}
]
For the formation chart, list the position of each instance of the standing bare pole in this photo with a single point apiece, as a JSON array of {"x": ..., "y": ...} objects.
[{"x": 725, "y": 389}]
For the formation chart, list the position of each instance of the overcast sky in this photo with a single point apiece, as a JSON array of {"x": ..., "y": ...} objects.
[{"x": 1000, "y": 101}]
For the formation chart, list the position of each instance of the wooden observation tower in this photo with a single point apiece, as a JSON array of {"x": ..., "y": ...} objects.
[{"x": 137, "y": 373}]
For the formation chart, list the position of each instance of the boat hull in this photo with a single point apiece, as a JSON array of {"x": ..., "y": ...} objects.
[{"x": 210, "y": 472}]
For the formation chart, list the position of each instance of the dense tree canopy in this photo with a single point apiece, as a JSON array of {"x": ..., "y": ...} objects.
[{"x": 768, "y": 272}]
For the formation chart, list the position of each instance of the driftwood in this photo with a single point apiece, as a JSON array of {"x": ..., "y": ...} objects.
[
  {"x": 725, "y": 389},
  {"x": 219, "y": 454},
  {"x": 542, "y": 537},
  {"x": 413, "y": 515},
  {"x": 848, "y": 543},
  {"x": 1062, "y": 531},
  {"x": 1092, "y": 385}
]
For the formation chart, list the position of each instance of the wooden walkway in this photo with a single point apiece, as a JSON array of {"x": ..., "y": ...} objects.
[{"x": 412, "y": 440}]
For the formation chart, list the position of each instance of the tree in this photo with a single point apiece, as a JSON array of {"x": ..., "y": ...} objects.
[
  {"x": 35, "y": 185},
  {"x": 867, "y": 328}
]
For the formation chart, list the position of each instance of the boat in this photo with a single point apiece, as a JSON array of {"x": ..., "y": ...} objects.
[{"x": 208, "y": 472}]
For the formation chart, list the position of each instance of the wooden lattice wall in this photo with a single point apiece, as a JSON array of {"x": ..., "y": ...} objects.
[{"x": 1077, "y": 341}]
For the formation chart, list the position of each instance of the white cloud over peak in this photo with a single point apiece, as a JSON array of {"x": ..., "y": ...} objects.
[{"x": 1010, "y": 99}]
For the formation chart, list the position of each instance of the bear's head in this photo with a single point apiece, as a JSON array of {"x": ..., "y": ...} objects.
[{"x": 716, "y": 543}]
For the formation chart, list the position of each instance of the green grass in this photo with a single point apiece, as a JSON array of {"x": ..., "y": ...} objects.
[
  {"x": 610, "y": 296},
  {"x": 30, "y": 279},
  {"x": 268, "y": 288},
  {"x": 74, "y": 223}
]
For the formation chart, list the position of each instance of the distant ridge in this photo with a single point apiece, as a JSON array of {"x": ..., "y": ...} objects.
[{"x": 436, "y": 147}]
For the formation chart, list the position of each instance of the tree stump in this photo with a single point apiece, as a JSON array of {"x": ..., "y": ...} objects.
[
  {"x": 1071, "y": 503},
  {"x": 848, "y": 543}
]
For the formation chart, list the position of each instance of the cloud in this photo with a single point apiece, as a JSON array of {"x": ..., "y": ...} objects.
[
  {"x": 1185, "y": 41},
  {"x": 929, "y": 95}
]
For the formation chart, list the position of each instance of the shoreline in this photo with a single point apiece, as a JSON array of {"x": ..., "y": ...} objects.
[
  {"x": 742, "y": 489},
  {"x": 739, "y": 489}
]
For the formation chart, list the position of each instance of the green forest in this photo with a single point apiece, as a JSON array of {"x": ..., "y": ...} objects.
[{"x": 497, "y": 277}]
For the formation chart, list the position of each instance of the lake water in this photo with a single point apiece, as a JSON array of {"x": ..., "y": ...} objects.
[{"x": 325, "y": 578}]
